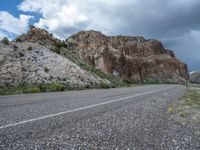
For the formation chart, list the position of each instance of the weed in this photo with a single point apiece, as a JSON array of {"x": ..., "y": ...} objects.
[{"x": 29, "y": 48}]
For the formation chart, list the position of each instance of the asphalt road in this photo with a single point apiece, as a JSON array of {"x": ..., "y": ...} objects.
[{"x": 122, "y": 118}]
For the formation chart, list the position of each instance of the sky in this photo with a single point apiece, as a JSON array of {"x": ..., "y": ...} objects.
[{"x": 174, "y": 22}]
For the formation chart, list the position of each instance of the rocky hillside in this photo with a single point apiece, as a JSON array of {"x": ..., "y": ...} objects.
[
  {"x": 28, "y": 62},
  {"x": 195, "y": 77},
  {"x": 130, "y": 58}
]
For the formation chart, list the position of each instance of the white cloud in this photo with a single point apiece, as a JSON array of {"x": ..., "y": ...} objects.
[
  {"x": 10, "y": 25},
  {"x": 57, "y": 14},
  {"x": 72, "y": 16}
]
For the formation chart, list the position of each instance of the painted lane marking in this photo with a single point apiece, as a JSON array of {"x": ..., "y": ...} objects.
[{"x": 78, "y": 109}]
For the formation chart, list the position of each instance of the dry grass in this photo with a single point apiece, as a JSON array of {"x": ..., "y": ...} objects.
[{"x": 188, "y": 106}]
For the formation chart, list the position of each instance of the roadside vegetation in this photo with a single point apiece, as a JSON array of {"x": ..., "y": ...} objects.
[
  {"x": 34, "y": 88},
  {"x": 50, "y": 87},
  {"x": 188, "y": 106}
]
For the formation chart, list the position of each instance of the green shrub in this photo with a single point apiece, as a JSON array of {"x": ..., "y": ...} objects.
[
  {"x": 31, "y": 90},
  {"x": 104, "y": 85},
  {"x": 5, "y": 41},
  {"x": 59, "y": 44},
  {"x": 53, "y": 87},
  {"x": 43, "y": 87},
  {"x": 46, "y": 69},
  {"x": 88, "y": 86},
  {"x": 56, "y": 50},
  {"x": 18, "y": 40},
  {"x": 21, "y": 54}
]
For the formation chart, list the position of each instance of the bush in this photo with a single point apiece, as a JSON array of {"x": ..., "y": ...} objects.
[
  {"x": 18, "y": 40},
  {"x": 104, "y": 85},
  {"x": 53, "y": 87},
  {"x": 43, "y": 87},
  {"x": 55, "y": 49},
  {"x": 46, "y": 69},
  {"x": 31, "y": 90},
  {"x": 21, "y": 54},
  {"x": 59, "y": 44},
  {"x": 5, "y": 41}
]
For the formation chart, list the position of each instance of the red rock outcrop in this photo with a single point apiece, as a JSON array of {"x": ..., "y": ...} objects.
[
  {"x": 37, "y": 35},
  {"x": 131, "y": 58}
]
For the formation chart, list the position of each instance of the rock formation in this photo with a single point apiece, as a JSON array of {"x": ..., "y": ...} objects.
[
  {"x": 36, "y": 35},
  {"x": 130, "y": 58}
]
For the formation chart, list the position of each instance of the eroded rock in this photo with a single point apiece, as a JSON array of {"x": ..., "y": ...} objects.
[{"x": 131, "y": 58}]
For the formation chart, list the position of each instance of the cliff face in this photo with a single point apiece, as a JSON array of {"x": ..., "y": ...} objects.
[{"x": 131, "y": 58}]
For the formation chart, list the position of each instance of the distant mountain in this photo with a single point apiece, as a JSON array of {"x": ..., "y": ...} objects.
[{"x": 195, "y": 76}]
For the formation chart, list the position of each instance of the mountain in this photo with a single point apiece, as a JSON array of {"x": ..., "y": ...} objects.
[
  {"x": 195, "y": 77},
  {"x": 130, "y": 58}
]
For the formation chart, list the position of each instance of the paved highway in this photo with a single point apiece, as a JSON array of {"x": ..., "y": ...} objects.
[{"x": 121, "y": 118}]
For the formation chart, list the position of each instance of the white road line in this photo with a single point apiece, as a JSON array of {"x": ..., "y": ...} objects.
[{"x": 77, "y": 109}]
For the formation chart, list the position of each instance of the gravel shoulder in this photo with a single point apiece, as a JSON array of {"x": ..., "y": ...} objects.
[{"x": 185, "y": 119}]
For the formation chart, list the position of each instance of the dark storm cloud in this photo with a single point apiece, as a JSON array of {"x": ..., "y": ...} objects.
[
  {"x": 154, "y": 18},
  {"x": 174, "y": 23}
]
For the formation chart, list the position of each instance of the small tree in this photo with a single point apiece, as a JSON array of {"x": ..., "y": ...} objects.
[{"x": 5, "y": 41}]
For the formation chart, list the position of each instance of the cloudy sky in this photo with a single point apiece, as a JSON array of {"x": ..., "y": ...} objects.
[{"x": 175, "y": 22}]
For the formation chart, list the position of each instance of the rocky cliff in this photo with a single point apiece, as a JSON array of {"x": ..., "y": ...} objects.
[
  {"x": 130, "y": 58},
  {"x": 195, "y": 77}
]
